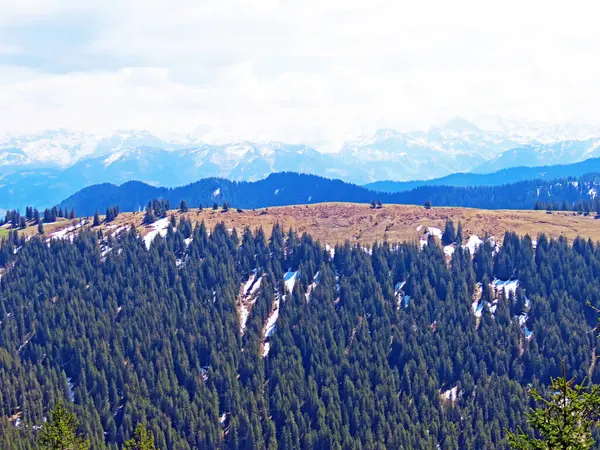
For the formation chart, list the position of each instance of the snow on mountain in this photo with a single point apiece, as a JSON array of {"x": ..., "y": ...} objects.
[
  {"x": 68, "y": 160},
  {"x": 524, "y": 131},
  {"x": 63, "y": 148},
  {"x": 563, "y": 152}
]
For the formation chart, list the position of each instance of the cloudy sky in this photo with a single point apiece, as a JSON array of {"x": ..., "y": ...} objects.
[{"x": 304, "y": 71}]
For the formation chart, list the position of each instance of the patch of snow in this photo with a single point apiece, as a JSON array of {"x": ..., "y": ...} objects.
[
  {"x": 473, "y": 244},
  {"x": 61, "y": 234},
  {"x": 270, "y": 325},
  {"x": 331, "y": 250},
  {"x": 420, "y": 227},
  {"x": 71, "y": 391},
  {"x": 188, "y": 241},
  {"x": 523, "y": 319},
  {"x": 506, "y": 286},
  {"x": 449, "y": 250},
  {"x": 216, "y": 193},
  {"x": 406, "y": 300},
  {"x": 592, "y": 192},
  {"x": 247, "y": 298},
  {"x": 451, "y": 395},
  {"x": 222, "y": 419},
  {"x": 399, "y": 294},
  {"x": 157, "y": 228},
  {"x": 432, "y": 231},
  {"x": 310, "y": 288},
  {"x": 289, "y": 280},
  {"x": 266, "y": 349},
  {"x": 119, "y": 230},
  {"x": 423, "y": 243},
  {"x": 276, "y": 191},
  {"x": 114, "y": 157},
  {"x": 204, "y": 373},
  {"x": 477, "y": 308},
  {"x": 309, "y": 198}
]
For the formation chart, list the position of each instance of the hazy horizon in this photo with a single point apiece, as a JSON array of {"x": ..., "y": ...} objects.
[{"x": 315, "y": 72}]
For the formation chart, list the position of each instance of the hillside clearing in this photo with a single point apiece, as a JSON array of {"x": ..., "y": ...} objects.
[{"x": 333, "y": 223}]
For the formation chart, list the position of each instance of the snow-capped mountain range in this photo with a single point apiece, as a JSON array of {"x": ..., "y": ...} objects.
[{"x": 45, "y": 168}]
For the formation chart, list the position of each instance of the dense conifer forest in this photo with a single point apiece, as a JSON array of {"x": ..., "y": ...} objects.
[{"x": 238, "y": 340}]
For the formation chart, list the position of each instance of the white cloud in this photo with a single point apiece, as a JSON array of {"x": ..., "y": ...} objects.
[{"x": 315, "y": 71}]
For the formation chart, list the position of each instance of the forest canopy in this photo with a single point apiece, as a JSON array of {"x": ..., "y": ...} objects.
[{"x": 226, "y": 339}]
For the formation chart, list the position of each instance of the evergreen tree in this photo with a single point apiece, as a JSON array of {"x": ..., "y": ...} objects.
[
  {"x": 449, "y": 234},
  {"x": 183, "y": 207},
  {"x": 60, "y": 432},
  {"x": 564, "y": 420},
  {"x": 96, "y": 219},
  {"x": 149, "y": 216},
  {"x": 143, "y": 440},
  {"x": 40, "y": 228}
]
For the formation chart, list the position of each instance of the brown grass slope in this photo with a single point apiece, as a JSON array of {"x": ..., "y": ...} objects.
[{"x": 333, "y": 223}]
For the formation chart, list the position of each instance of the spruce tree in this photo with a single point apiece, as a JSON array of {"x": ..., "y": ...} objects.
[
  {"x": 142, "y": 440},
  {"x": 449, "y": 234},
  {"x": 96, "y": 219},
  {"x": 564, "y": 420},
  {"x": 60, "y": 432}
]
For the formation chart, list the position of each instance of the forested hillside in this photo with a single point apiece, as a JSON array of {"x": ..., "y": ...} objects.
[
  {"x": 504, "y": 176},
  {"x": 249, "y": 340},
  {"x": 291, "y": 189}
]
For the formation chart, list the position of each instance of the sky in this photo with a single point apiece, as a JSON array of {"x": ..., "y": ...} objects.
[{"x": 312, "y": 71}]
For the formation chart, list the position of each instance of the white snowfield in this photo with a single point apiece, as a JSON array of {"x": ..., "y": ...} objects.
[{"x": 157, "y": 228}]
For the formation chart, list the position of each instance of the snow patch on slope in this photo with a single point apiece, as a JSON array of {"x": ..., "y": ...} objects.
[{"x": 157, "y": 228}]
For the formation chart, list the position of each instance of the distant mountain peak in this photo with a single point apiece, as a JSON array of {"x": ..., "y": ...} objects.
[{"x": 459, "y": 125}]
